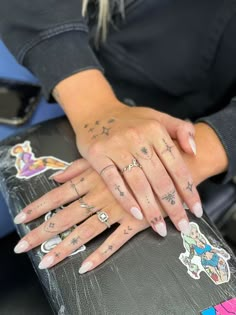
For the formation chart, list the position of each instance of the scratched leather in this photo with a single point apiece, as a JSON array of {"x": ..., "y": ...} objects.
[{"x": 145, "y": 277}]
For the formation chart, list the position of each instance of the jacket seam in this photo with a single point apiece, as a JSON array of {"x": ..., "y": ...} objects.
[{"x": 49, "y": 34}]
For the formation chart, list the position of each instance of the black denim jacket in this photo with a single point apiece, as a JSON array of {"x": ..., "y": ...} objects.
[{"x": 177, "y": 56}]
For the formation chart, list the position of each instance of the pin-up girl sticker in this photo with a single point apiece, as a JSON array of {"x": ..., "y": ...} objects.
[
  {"x": 28, "y": 165},
  {"x": 200, "y": 256}
]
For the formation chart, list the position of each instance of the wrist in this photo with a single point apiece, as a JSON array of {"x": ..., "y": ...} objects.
[{"x": 84, "y": 95}]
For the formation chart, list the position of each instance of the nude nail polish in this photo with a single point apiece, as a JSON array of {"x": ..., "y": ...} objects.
[
  {"x": 136, "y": 213},
  {"x": 55, "y": 174},
  {"x": 21, "y": 247},
  {"x": 184, "y": 226},
  {"x": 46, "y": 262},
  {"x": 197, "y": 210},
  {"x": 85, "y": 267},
  {"x": 161, "y": 229},
  {"x": 192, "y": 145},
  {"x": 20, "y": 218}
]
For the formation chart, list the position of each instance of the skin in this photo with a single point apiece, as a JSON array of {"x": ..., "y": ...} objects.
[
  {"x": 90, "y": 184},
  {"x": 109, "y": 133}
]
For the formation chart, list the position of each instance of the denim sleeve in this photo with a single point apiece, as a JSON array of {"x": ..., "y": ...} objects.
[
  {"x": 49, "y": 37},
  {"x": 224, "y": 78}
]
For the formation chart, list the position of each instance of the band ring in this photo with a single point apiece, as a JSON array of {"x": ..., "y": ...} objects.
[
  {"x": 129, "y": 167},
  {"x": 86, "y": 206},
  {"x": 106, "y": 168},
  {"x": 104, "y": 218}
]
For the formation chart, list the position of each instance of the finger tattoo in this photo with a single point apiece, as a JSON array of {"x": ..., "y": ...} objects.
[
  {"x": 126, "y": 231},
  {"x": 190, "y": 187},
  {"x": 168, "y": 148},
  {"x": 170, "y": 197},
  {"x": 117, "y": 187},
  {"x": 109, "y": 249},
  {"x": 75, "y": 240},
  {"x": 156, "y": 220}
]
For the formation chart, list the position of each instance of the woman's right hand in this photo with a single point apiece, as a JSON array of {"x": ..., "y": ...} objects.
[{"x": 132, "y": 149}]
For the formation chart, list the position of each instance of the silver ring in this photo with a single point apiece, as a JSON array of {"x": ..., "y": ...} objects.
[
  {"x": 106, "y": 168},
  {"x": 86, "y": 206},
  {"x": 129, "y": 167},
  {"x": 103, "y": 217}
]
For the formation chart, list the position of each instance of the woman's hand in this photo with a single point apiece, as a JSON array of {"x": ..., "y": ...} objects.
[
  {"x": 135, "y": 155},
  {"x": 132, "y": 149},
  {"x": 92, "y": 198}
]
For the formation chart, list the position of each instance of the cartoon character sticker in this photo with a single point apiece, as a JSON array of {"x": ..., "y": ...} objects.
[
  {"x": 201, "y": 256},
  {"x": 28, "y": 165},
  {"x": 47, "y": 246},
  {"x": 225, "y": 308}
]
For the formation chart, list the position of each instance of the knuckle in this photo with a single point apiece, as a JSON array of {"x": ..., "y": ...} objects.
[
  {"x": 155, "y": 125},
  {"x": 133, "y": 134},
  {"x": 95, "y": 149}
]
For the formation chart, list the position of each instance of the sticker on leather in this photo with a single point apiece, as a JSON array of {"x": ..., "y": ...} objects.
[
  {"x": 225, "y": 308},
  {"x": 202, "y": 256},
  {"x": 28, "y": 165}
]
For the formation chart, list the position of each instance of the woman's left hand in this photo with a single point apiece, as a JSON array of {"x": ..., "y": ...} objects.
[{"x": 91, "y": 203}]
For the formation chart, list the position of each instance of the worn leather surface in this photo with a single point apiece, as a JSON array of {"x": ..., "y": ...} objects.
[{"x": 145, "y": 277}]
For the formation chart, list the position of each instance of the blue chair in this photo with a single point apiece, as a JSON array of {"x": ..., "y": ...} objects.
[{"x": 10, "y": 69}]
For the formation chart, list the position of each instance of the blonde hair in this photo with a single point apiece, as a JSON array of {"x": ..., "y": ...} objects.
[{"x": 104, "y": 16}]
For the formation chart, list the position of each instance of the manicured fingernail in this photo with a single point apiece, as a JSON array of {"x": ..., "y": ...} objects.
[
  {"x": 85, "y": 267},
  {"x": 197, "y": 210},
  {"x": 161, "y": 229},
  {"x": 20, "y": 218},
  {"x": 21, "y": 247},
  {"x": 192, "y": 145},
  {"x": 136, "y": 213},
  {"x": 184, "y": 226},
  {"x": 55, "y": 174},
  {"x": 46, "y": 262}
]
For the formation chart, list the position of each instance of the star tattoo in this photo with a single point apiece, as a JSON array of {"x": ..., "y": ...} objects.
[
  {"x": 190, "y": 187},
  {"x": 105, "y": 131},
  {"x": 168, "y": 148},
  {"x": 74, "y": 240}
]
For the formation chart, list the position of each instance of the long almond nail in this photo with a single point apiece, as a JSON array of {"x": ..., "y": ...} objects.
[
  {"x": 192, "y": 145},
  {"x": 55, "y": 174},
  {"x": 184, "y": 226},
  {"x": 85, "y": 267},
  {"x": 197, "y": 210},
  {"x": 21, "y": 247},
  {"x": 20, "y": 218},
  {"x": 46, "y": 262},
  {"x": 136, "y": 213},
  {"x": 161, "y": 229}
]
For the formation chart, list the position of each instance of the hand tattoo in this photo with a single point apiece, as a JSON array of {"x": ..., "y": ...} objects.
[
  {"x": 170, "y": 197},
  {"x": 168, "y": 148},
  {"x": 75, "y": 240},
  {"x": 117, "y": 187},
  {"x": 109, "y": 248},
  {"x": 156, "y": 220},
  {"x": 190, "y": 187},
  {"x": 50, "y": 227},
  {"x": 145, "y": 153},
  {"x": 128, "y": 229}
]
